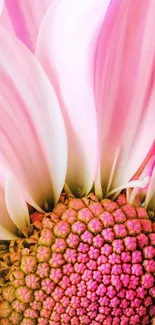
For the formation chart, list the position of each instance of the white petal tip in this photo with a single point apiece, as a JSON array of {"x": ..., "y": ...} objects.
[{"x": 16, "y": 206}]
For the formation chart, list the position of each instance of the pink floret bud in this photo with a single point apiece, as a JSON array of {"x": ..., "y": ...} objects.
[
  {"x": 142, "y": 241},
  {"x": 47, "y": 285},
  {"x": 70, "y": 216},
  {"x": 149, "y": 252},
  {"x": 57, "y": 260},
  {"x": 133, "y": 227},
  {"x": 85, "y": 215},
  {"x": 46, "y": 237},
  {"x": 114, "y": 259},
  {"x": 59, "y": 245},
  {"x": 98, "y": 241},
  {"x": 76, "y": 204},
  {"x": 78, "y": 227},
  {"x": 93, "y": 252},
  {"x": 96, "y": 208},
  {"x": 130, "y": 295},
  {"x": 121, "y": 200},
  {"x": 119, "y": 216},
  {"x": 28, "y": 264},
  {"x": 125, "y": 279},
  {"x": 32, "y": 281},
  {"x": 146, "y": 225},
  {"x": 56, "y": 275},
  {"x": 114, "y": 302},
  {"x": 137, "y": 269},
  {"x": 152, "y": 239},
  {"x": 147, "y": 280},
  {"x": 129, "y": 211},
  {"x": 142, "y": 213},
  {"x": 152, "y": 292},
  {"x": 108, "y": 235},
  {"x": 120, "y": 231},
  {"x": 72, "y": 240},
  {"x": 49, "y": 303},
  {"x": 43, "y": 270},
  {"x": 149, "y": 266},
  {"x": 65, "y": 282},
  {"x": 62, "y": 229},
  {"x": 87, "y": 237},
  {"x": 126, "y": 257},
  {"x": 130, "y": 243},
  {"x": 107, "y": 219},
  {"x": 106, "y": 250},
  {"x": 137, "y": 257},
  {"x": 95, "y": 226}
]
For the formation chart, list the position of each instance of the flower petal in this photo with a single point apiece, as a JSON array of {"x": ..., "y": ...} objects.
[
  {"x": 4, "y": 233},
  {"x": 137, "y": 195},
  {"x": 7, "y": 227},
  {"x": 1, "y": 6},
  {"x": 32, "y": 133},
  {"x": 16, "y": 206},
  {"x": 150, "y": 197},
  {"x": 125, "y": 89},
  {"x": 67, "y": 59},
  {"x": 23, "y": 18}
]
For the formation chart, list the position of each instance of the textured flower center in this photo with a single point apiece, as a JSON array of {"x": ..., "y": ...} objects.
[{"x": 85, "y": 263}]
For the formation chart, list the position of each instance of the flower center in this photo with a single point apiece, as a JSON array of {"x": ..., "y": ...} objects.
[{"x": 87, "y": 262}]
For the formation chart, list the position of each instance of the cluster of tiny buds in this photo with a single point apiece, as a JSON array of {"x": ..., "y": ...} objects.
[{"x": 87, "y": 262}]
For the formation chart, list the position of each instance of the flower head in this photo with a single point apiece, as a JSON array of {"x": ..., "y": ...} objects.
[{"x": 76, "y": 130}]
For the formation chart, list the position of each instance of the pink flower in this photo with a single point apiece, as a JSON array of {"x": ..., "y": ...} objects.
[
  {"x": 80, "y": 111},
  {"x": 23, "y": 18}
]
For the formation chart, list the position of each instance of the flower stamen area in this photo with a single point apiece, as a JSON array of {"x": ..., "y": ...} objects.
[{"x": 86, "y": 262}]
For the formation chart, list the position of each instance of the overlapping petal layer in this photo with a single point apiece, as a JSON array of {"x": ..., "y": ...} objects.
[
  {"x": 65, "y": 48},
  {"x": 32, "y": 133},
  {"x": 23, "y": 18},
  {"x": 7, "y": 227},
  {"x": 16, "y": 206},
  {"x": 11, "y": 215},
  {"x": 124, "y": 86}
]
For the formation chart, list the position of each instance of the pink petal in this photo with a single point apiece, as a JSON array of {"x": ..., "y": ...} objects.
[
  {"x": 65, "y": 48},
  {"x": 32, "y": 133},
  {"x": 16, "y": 206},
  {"x": 125, "y": 89},
  {"x": 7, "y": 227},
  {"x": 137, "y": 195},
  {"x": 1, "y": 6},
  {"x": 4, "y": 233},
  {"x": 150, "y": 197},
  {"x": 23, "y": 18}
]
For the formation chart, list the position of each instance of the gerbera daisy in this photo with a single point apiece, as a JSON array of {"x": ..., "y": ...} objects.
[{"x": 77, "y": 163}]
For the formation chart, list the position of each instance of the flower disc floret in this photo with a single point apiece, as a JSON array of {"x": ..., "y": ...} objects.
[{"x": 92, "y": 263}]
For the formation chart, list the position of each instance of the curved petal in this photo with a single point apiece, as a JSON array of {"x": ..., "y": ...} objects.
[
  {"x": 32, "y": 133},
  {"x": 7, "y": 227},
  {"x": 1, "y": 6},
  {"x": 124, "y": 87},
  {"x": 23, "y": 18},
  {"x": 150, "y": 196},
  {"x": 16, "y": 206},
  {"x": 67, "y": 59},
  {"x": 138, "y": 195}
]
